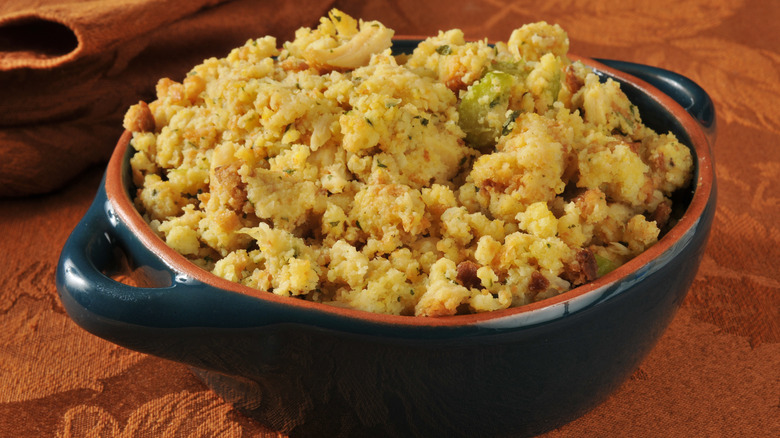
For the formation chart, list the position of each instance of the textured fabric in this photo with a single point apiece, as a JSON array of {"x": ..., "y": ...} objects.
[{"x": 715, "y": 372}]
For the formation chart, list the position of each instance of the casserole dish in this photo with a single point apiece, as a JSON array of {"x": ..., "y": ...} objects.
[{"x": 307, "y": 368}]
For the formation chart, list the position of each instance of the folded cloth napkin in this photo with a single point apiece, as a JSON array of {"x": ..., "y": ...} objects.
[{"x": 70, "y": 68}]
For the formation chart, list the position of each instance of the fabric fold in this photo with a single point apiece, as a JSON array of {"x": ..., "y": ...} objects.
[{"x": 88, "y": 28}]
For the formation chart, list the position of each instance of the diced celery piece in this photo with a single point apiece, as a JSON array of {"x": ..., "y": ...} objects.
[
  {"x": 513, "y": 68},
  {"x": 605, "y": 265},
  {"x": 489, "y": 94}
]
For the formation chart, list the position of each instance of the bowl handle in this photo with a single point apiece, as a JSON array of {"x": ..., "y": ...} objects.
[
  {"x": 684, "y": 91},
  {"x": 91, "y": 253},
  {"x": 109, "y": 308}
]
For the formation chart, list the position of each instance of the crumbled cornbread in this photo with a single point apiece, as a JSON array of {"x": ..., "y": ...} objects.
[{"x": 464, "y": 177}]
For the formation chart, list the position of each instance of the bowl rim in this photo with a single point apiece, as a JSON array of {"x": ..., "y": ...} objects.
[{"x": 536, "y": 312}]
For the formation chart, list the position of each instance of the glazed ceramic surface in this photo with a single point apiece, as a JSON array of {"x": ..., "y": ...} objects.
[{"x": 309, "y": 369}]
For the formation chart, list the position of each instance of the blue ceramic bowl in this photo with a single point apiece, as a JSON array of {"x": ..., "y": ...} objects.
[{"x": 310, "y": 369}]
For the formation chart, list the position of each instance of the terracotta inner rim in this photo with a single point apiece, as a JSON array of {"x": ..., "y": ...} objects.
[{"x": 124, "y": 207}]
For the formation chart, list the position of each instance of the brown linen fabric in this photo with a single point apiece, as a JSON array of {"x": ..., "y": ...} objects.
[{"x": 715, "y": 372}]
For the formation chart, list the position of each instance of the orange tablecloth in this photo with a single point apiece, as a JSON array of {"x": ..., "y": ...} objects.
[{"x": 715, "y": 372}]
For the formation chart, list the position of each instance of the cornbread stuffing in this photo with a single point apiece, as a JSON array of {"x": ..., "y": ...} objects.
[{"x": 463, "y": 177}]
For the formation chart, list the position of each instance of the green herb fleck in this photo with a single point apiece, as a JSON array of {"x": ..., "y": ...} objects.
[
  {"x": 289, "y": 171},
  {"x": 507, "y": 128},
  {"x": 380, "y": 164}
]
